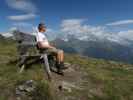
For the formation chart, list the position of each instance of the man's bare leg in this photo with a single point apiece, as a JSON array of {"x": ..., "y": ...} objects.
[
  {"x": 62, "y": 60},
  {"x": 58, "y": 57},
  {"x": 59, "y": 63},
  {"x": 61, "y": 56}
]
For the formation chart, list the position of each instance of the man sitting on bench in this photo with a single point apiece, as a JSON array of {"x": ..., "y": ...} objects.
[{"x": 43, "y": 44}]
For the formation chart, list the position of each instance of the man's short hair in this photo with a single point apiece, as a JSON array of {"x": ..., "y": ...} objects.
[{"x": 41, "y": 25}]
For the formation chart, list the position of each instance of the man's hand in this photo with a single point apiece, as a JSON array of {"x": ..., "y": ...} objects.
[
  {"x": 53, "y": 44},
  {"x": 51, "y": 47}
]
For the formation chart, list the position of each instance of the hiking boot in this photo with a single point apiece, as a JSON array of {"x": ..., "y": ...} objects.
[
  {"x": 62, "y": 66},
  {"x": 59, "y": 69}
]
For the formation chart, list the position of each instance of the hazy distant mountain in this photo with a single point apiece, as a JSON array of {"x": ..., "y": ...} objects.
[
  {"x": 1, "y": 37},
  {"x": 97, "y": 48},
  {"x": 94, "y": 47}
]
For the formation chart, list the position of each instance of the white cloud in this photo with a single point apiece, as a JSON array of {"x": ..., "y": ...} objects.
[
  {"x": 12, "y": 29},
  {"x": 22, "y": 17},
  {"x": 72, "y": 22},
  {"x": 122, "y": 37},
  {"x": 82, "y": 31},
  {"x": 7, "y": 35},
  {"x": 51, "y": 34},
  {"x": 77, "y": 28},
  {"x": 123, "y": 22},
  {"x": 126, "y": 35},
  {"x": 26, "y": 6},
  {"x": 23, "y": 5},
  {"x": 22, "y": 24}
]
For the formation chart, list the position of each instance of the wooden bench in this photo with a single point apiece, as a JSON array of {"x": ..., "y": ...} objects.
[{"x": 27, "y": 49}]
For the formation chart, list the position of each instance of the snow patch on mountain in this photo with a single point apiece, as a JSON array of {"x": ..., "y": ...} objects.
[{"x": 77, "y": 29}]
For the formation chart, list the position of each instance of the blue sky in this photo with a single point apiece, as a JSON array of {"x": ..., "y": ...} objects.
[
  {"x": 85, "y": 19},
  {"x": 115, "y": 14}
]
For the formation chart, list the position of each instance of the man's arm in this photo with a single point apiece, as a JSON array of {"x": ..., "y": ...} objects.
[{"x": 44, "y": 45}]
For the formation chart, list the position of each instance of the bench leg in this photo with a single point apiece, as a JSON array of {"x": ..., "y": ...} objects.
[
  {"x": 47, "y": 67},
  {"x": 22, "y": 68},
  {"x": 22, "y": 64}
]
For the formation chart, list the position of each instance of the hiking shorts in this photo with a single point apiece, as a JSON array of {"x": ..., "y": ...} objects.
[{"x": 53, "y": 51}]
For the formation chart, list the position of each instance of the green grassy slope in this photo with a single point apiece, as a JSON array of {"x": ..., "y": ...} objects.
[
  {"x": 9, "y": 77},
  {"x": 105, "y": 80}
]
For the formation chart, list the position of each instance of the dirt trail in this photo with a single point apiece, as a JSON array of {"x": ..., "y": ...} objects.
[{"x": 73, "y": 79}]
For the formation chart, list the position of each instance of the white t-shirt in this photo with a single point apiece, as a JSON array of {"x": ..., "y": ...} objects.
[{"x": 42, "y": 38}]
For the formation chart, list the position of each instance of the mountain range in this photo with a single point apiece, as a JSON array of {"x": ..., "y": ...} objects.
[
  {"x": 97, "y": 48},
  {"x": 93, "y": 46}
]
